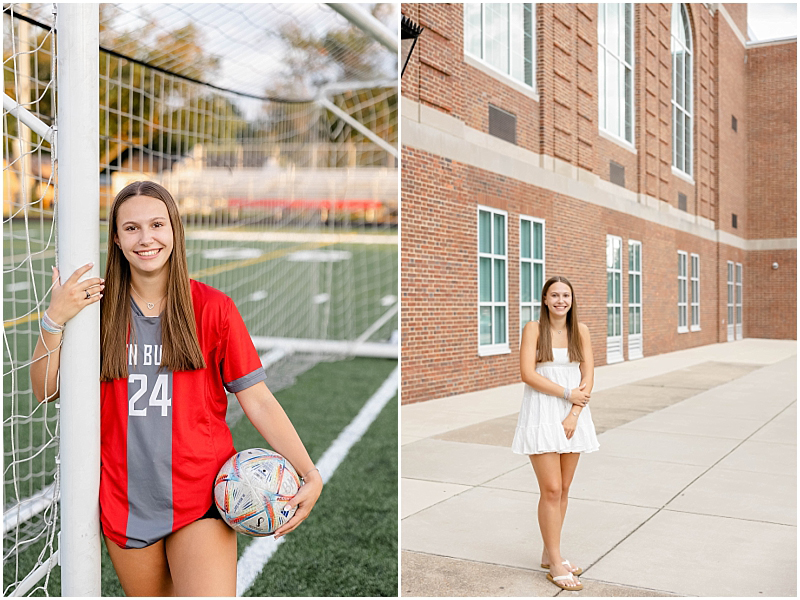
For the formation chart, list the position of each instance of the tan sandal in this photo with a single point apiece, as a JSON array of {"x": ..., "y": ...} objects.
[
  {"x": 573, "y": 570},
  {"x": 559, "y": 578}
]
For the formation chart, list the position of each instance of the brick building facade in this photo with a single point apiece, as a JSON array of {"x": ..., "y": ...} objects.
[{"x": 560, "y": 158}]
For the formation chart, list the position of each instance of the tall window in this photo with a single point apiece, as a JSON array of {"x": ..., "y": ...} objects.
[
  {"x": 738, "y": 301},
  {"x": 682, "y": 293},
  {"x": 681, "y": 90},
  {"x": 492, "y": 281},
  {"x": 531, "y": 268},
  {"x": 615, "y": 66},
  {"x": 731, "y": 303},
  {"x": 614, "y": 285},
  {"x": 634, "y": 287},
  {"x": 502, "y": 35},
  {"x": 695, "y": 292}
]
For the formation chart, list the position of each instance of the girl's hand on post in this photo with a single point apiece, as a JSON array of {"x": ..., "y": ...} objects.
[
  {"x": 579, "y": 397},
  {"x": 69, "y": 298},
  {"x": 304, "y": 500},
  {"x": 570, "y": 423}
]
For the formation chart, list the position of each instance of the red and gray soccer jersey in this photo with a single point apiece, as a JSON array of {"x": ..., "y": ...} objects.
[{"x": 164, "y": 436}]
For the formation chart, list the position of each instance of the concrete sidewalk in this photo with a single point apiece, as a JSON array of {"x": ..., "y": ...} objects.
[{"x": 692, "y": 493}]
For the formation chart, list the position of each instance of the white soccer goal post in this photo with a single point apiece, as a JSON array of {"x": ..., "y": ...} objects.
[
  {"x": 279, "y": 143},
  {"x": 78, "y": 215}
]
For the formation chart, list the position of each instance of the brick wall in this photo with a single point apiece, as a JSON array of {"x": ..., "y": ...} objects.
[
  {"x": 439, "y": 273},
  {"x": 771, "y": 309},
  {"x": 733, "y": 144},
  {"x": 439, "y": 270},
  {"x": 772, "y": 141},
  {"x": 770, "y": 303}
]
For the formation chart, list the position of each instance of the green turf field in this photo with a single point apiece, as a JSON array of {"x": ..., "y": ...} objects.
[
  {"x": 348, "y": 546},
  {"x": 277, "y": 297}
]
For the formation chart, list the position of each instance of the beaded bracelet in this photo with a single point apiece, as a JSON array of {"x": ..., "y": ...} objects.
[{"x": 49, "y": 325}]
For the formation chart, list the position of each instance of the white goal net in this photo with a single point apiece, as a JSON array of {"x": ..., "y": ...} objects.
[{"x": 275, "y": 128}]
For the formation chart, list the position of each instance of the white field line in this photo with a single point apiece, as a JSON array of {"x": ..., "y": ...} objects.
[
  {"x": 312, "y": 346},
  {"x": 261, "y": 550},
  {"x": 285, "y": 236}
]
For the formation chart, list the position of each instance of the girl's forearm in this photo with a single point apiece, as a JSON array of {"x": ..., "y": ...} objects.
[
  {"x": 44, "y": 366},
  {"x": 271, "y": 421},
  {"x": 543, "y": 384}
]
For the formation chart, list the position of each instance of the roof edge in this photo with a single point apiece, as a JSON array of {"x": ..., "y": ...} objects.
[{"x": 786, "y": 40}]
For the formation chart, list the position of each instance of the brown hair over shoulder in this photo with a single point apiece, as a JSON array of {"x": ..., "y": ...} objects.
[
  {"x": 181, "y": 349},
  {"x": 544, "y": 346}
]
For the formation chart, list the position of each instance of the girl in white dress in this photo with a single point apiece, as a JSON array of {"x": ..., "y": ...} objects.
[{"x": 555, "y": 424}]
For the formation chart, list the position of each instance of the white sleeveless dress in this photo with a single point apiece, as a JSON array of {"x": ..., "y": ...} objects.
[{"x": 539, "y": 427}]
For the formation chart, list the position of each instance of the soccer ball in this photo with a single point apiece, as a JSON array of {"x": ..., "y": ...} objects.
[{"x": 252, "y": 491}]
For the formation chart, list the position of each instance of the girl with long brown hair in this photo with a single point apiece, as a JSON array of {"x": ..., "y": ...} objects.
[
  {"x": 555, "y": 424},
  {"x": 170, "y": 348}
]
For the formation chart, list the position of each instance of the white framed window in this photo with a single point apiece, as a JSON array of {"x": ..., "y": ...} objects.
[
  {"x": 634, "y": 287},
  {"x": 682, "y": 293},
  {"x": 614, "y": 298},
  {"x": 492, "y": 281},
  {"x": 695, "y": 292},
  {"x": 615, "y": 69},
  {"x": 731, "y": 303},
  {"x": 635, "y": 346},
  {"x": 682, "y": 81},
  {"x": 531, "y": 268},
  {"x": 739, "y": 332},
  {"x": 503, "y": 35}
]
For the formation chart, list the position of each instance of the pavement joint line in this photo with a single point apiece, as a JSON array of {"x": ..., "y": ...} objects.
[
  {"x": 483, "y": 562},
  {"x": 669, "y": 462},
  {"x": 533, "y": 569},
  {"x": 468, "y": 486},
  {"x": 689, "y": 512},
  {"x": 664, "y": 507},
  {"x": 646, "y": 506},
  {"x": 585, "y": 499},
  {"x": 624, "y": 585},
  {"x": 691, "y": 435}
]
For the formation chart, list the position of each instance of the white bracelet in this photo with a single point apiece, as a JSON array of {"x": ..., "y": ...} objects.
[
  {"x": 310, "y": 471},
  {"x": 49, "y": 325},
  {"x": 567, "y": 393}
]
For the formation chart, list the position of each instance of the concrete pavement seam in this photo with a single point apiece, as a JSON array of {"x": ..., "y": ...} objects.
[
  {"x": 689, "y": 512},
  {"x": 535, "y": 570},
  {"x": 469, "y": 487},
  {"x": 664, "y": 507}
]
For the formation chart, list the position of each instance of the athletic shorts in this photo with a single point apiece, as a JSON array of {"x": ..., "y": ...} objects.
[{"x": 212, "y": 513}]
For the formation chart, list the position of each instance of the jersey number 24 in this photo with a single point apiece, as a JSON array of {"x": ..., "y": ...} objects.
[{"x": 158, "y": 397}]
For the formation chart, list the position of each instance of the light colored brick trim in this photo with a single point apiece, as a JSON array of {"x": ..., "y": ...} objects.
[
  {"x": 772, "y": 244},
  {"x": 446, "y": 136},
  {"x": 433, "y": 131}
]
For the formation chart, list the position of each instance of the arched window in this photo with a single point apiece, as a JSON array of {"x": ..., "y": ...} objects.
[{"x": 682, "y": 82}]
